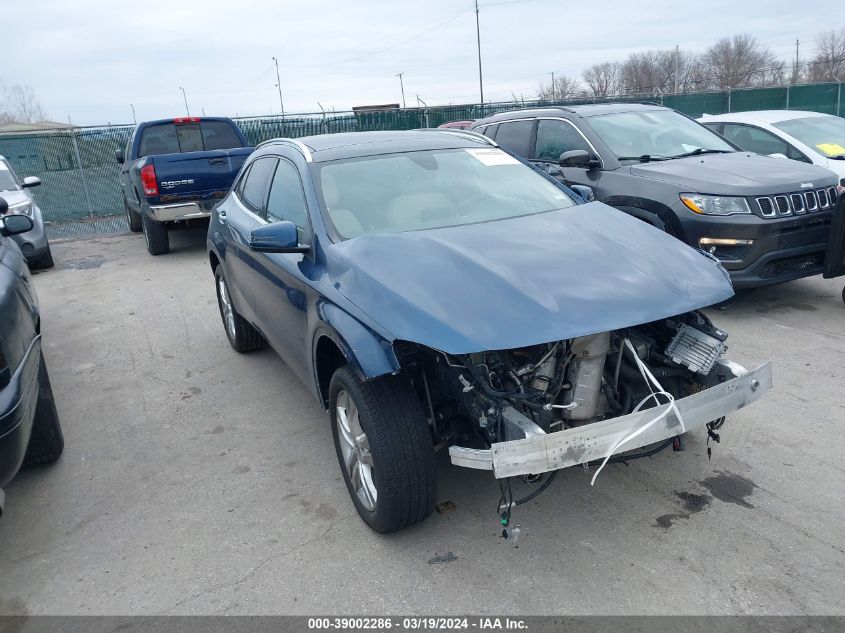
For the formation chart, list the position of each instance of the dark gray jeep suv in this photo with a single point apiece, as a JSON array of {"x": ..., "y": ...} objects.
[{"x": 766, "y": 219}]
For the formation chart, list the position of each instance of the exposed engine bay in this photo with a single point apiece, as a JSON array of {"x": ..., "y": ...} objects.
[
  {"x": 567, "y": 384},
  {"x": 589, "y": 400}
]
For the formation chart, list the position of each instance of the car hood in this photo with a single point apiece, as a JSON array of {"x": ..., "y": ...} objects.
[
  {"x": 14, "y": 197},
  {"x": 737, "y": 174},
  {"x": 523, "y": 281}
]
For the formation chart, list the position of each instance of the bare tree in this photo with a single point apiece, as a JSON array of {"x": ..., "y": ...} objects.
[
  {"x": 738, "y": 61},
  {"x": 19, "y": 103},
  {"x": 829, "y": 62},
  {"x": 602, "y": 79},
  {"x": 564, "y": 88}
]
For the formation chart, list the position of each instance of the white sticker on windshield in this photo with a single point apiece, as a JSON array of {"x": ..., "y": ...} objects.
[
  {"x": 492, "y": 157},
  {"x": 3, "y": 166}
]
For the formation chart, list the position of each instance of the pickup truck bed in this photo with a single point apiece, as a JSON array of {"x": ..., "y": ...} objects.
[{"x": 176, "y": 171}]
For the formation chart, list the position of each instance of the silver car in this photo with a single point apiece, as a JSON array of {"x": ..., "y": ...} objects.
[{"x": 33, "y": 244}]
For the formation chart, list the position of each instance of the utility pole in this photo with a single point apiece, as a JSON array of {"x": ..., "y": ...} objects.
[
  {"x": 402, "y": 86},
  {"x": 553, "y": 86},
  {"x": 203, "y": 111},
  {"x": 279, "y": 86},
  {"x": 796, "y": 68},
  {"x": 677, "y": 63},
  {"x": 478, "y": 39},
  {"x": 134, "y": 120},
  {"x": 185, "y": 97}
]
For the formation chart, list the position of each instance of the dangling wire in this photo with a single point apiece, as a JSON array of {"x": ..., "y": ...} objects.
[{"x": 672, "y": 408}]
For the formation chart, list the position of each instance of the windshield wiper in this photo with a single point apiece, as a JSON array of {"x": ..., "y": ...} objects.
[
  {"x": 698, "y": 151},
  {"x": 646, "y": 158},
  {"x": 838, "y": 157}
]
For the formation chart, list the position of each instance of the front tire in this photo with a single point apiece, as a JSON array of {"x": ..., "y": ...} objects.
[
  {"x": 46, "y": 442},
  {"x": 43, "y": 262},
  {"x": 385, "y": 449},
  {"x": 156, "y": 237},
  {"x": 133, "y": 218},
  {"x": 243, "y": 337}
]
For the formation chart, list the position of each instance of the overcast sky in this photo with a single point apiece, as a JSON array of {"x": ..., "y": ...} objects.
[{"x": 90, "y": 59}]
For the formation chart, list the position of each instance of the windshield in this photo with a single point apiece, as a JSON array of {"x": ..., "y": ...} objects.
[
  {"x": 823, "y": 133},
  {"x": 7, "y": 178},
  {"x": 432, "y": 189},
  {"x": 170, "y": 138},
  {"x": 655, "y": 134}
]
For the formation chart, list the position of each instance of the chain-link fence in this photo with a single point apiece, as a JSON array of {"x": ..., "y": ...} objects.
[{"x": 80, "y": 193}]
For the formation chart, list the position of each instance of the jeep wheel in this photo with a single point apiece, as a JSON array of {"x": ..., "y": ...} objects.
[
  {"x": 156, "y": 237},
  {"x": 243, "y": 337},
  {"x": 46, "y": 442},
  {"x": 385, "y": 449},
  {"x": 132, "y": 218},
  {"x": 43, "y": 262}
]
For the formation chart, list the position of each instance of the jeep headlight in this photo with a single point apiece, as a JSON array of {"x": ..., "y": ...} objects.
[
  {"x": 21, "y": 208},
  {"x": 714, "y": 205}
]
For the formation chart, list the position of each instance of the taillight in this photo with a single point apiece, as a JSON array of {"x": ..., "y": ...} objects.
[
  {"x": 148, "y": 180},
  {"x": 187, "y": 119}
]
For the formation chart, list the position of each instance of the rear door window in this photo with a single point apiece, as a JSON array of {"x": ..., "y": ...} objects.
[
  {"x": 172, "y": 138},
  {"x": 515, "y": 136},
  {"x": 254, "y": 190},
  {"x": 554, "y": 137}
]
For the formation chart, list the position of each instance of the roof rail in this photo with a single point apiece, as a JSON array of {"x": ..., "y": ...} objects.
[
  {"x": 475, "y": 136},
  {"x": 302, "y": 147}
]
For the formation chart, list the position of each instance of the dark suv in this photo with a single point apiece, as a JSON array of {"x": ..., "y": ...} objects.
[{"x": 766, "y": 219}]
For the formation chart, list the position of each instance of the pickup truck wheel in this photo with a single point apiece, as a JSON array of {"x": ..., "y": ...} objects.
[
  {"x": 155, "y": 234},
  {"x": 384, "y": 447},
  {"x": 243, "y": 337},
  {"x": 46, "y": 442},
  {"x": 133, "y": 218}
]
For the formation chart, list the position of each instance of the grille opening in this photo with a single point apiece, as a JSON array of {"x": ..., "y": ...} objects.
[
  {"x": 797, "y": 202},
  {"x": 783, "y": 205},
  {"x": 767, "y": 207},
  {"x": 786, "y": 265},
  {"x": 824, "y": 202}
]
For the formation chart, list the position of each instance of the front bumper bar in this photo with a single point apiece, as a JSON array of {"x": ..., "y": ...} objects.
[
  {"x": 181, "y": 211},
  {"x": 542, "y": 453}
]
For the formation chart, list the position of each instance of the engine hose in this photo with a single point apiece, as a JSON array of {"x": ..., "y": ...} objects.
[
  {"x": 660, "y": 372},
  {"x": 539, "y": 490}
]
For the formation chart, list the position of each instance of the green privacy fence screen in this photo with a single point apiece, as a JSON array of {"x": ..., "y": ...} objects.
[{"x": 81, "y": 196}]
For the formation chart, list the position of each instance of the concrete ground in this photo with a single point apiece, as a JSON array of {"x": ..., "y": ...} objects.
[{"x": 196, "y": 480}]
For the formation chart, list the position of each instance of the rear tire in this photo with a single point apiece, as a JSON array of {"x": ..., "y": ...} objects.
[
  {"x": 384, "y": 447},
  {"x": 44, "y": 262},
  {"x": 46, "y": 442},
  {"x": 155, "y": 234},
  {"x": 243, "y": 337},
  {"x": 133, "y": 218}
]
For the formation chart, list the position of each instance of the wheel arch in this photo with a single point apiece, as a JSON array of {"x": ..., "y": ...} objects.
[
  {"x": 340, "y": 339},
  {"x": 655, "y": 213}
]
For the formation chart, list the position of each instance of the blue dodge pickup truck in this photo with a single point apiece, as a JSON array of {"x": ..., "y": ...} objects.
[{"x": 175, "y": 170}]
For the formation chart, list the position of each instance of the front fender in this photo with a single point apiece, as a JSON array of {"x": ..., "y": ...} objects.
[{"x": 370, "y": 354}]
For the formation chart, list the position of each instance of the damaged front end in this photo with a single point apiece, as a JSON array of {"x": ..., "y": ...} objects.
[{"x": 545, "y": 407}]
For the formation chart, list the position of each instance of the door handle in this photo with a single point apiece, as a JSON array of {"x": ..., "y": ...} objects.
[{"x": 216, "y": 161}]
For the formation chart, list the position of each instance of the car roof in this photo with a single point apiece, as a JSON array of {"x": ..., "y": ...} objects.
[
  {"x": 325, "y": 147},
  {"x": 762, "y": 116},
  {"x": 582, "y": 110}
]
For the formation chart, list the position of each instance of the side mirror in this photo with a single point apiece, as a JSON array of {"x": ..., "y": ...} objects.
[
  {"x": 584, "y": 191},
  {"x": 30, "y": 181},
  {"x": 578, "y": 158},
  {"x": 14, "y": 224},
  {"x": 279, "y": 237},
  {"x": 119, "y": 156}
]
